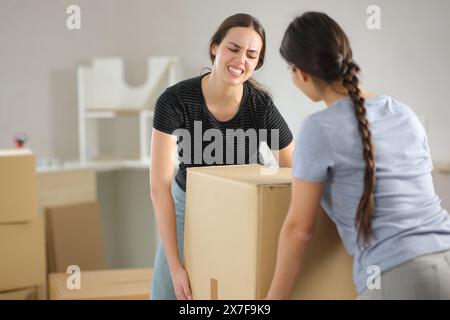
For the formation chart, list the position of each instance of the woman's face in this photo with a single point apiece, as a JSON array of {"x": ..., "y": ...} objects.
[{"x": 237, "y": 56}]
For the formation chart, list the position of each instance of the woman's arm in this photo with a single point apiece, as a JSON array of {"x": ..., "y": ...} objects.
[
  {"x": 161, "y": 176},
  {"x": 285, "y": 156},
  {"x": 295, "y": 234}
]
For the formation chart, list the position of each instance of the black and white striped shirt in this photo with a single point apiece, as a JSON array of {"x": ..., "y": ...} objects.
[{"x": 203, "y": 140}]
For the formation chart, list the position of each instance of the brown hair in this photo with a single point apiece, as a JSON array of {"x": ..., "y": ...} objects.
[{"x": 317, "y": 45}]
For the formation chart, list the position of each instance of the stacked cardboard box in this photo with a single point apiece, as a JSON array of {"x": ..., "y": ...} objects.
[
  {"x": 121, "y": 284},
  {"x": 57, "y": 189},
  {"x": 66, "y": 187},
  {"x": 233, "y": 218},
  {"x": 74, "y": 237},
  {"x": 21, "y": 294},
  {"x": 75, "y": 248},
  {"x": 22, "y": 244}
]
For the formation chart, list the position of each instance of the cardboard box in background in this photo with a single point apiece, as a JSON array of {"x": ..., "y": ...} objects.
[
  {"x": 121, "y": 284},
  {"x": 233, "y": 218},
  {"x": 64, "y": 187},
  {"x": 60, "y": 188},
  {"x": 74, "y": 237},
  {"x": 21, "y": 294},
  {"x": 22, "y": 255},
  {"x": 18, "y": 199}
]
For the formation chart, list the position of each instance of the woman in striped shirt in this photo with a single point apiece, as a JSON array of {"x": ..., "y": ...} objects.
[{"x": 225, "y": 104}]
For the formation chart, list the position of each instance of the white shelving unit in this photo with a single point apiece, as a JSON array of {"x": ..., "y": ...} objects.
[{"x": 103, "y": 94}]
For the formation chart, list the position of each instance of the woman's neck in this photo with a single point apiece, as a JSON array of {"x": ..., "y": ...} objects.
[
  {"x": 215, "y": 90},
  {"x": 332, "y": 94}
]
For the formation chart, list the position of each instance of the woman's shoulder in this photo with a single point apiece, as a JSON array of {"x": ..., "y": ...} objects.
[
  {"x": 259, "y": 94},
  {"x": 187, "y": 87},
  {"x": 388, "y": 105}
]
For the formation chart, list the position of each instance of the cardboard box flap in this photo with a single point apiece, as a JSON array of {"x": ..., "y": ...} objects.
[{"x": 252, "y": 174}]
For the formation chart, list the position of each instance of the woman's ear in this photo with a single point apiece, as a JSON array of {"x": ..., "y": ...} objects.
[
  {"x": 214, "y": 49},
  {"x": 303, "y": 81},
  {"x": 301, "y": 75}
]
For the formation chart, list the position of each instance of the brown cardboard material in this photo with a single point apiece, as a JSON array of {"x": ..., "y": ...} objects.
[
  {"x": 64, "y": 187},
  {"x": 18, "y": 199},
  {"x": 21, "y": 294},
  {"x": 121, "y": 284},
  {"x": 74, "y": 237},
  {"x": 22, "y": 255},
  {"x": 233, "y": 218},
  {"x": 60, "y": 188}
]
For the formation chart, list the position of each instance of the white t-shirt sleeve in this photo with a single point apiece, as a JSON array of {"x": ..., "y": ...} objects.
[{"x": 313, "y": 156}]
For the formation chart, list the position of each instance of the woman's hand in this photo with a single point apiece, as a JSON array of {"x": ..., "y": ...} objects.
[{"x": 181, "y": 285}]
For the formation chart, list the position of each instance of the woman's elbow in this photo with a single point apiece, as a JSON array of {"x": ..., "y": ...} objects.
[
  {"x": 156, "y": 190},
  {"x": 286, "y": 155},
  {"x": 286, "y": 163},
  {"x": 299, "y": 232}
]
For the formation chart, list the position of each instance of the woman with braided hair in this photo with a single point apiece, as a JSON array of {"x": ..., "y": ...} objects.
[{"x": 365, "y": 160}]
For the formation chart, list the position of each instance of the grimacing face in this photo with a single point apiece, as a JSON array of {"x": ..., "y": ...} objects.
[{"x": 237, "y": 56}]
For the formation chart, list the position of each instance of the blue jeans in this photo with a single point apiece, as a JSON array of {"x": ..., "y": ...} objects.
[{"x": 162, "y": 286}]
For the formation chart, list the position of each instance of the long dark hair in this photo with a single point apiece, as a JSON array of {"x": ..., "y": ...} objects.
[
  {"x": 316, "y": 44},
  {"x": 246, "y": 21}
]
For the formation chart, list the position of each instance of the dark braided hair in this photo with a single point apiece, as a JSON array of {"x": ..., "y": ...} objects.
[{"x": 317, "y": 45}]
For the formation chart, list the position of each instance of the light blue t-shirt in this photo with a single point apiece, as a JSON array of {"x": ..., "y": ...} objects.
[{"x": 408, "y": 219}]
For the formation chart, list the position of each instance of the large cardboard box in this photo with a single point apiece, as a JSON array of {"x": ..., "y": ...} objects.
[
  {"x": 21, "y": 294},
  {"x": 22, "y": 255},
  {"x": 18, "y": 199},
  {"x": 74, "y": 237},
  {"x": 233, "y": 218},
  {"x": 121, "y": 284}
]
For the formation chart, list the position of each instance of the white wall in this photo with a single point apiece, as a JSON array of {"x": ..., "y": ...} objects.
[
  {"x": 407, "y": 58},
  {"x": 441, "y": 183}
]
